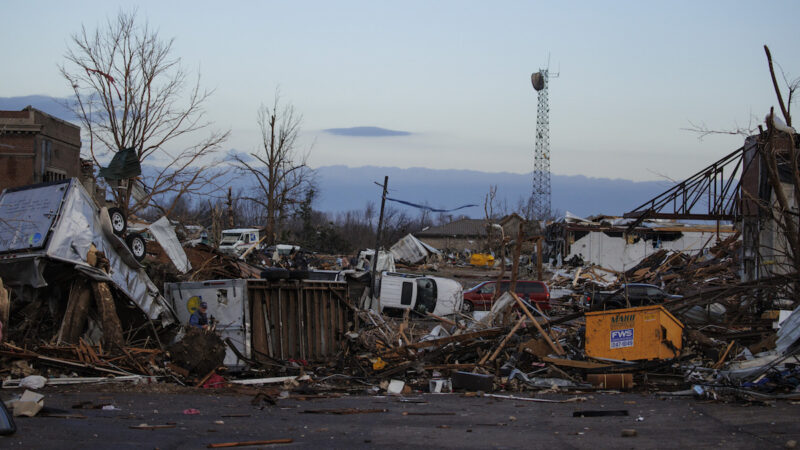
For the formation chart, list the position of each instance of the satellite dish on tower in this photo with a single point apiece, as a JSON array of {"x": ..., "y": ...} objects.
[{"x": 537, "y": 80}]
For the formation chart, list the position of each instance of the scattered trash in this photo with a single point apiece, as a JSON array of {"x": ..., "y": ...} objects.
[
  {"x": 191, "y": 411},
  {"x": 28, "y": 405},
  {"x": 33, "y": 382}
]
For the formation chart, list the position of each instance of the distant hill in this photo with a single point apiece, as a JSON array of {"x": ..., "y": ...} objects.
[{"x": 345, "y": 188}]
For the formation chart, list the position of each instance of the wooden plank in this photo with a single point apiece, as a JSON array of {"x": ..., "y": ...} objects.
[
  {"x": 329, "y": 328},
  {"x": 301, "y": 329},
  {"x": 503, "y": 342},
  {"x": 573, "y": 363},
  {"x": 458, "y": 338},
  {"x": 272, "y": 318},
  {"x": 524, "y": 308},
  {"x": 283, "y": 335},
  {"x": 308, "y": 325},
  {"x": 317, "y": 326},
  {"x": 257, "y": 324},
  {"x": 291, "y": 325}
]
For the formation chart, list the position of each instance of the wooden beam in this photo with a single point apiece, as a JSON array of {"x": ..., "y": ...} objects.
[
  {"x": 557, "y": 349},
  {"x": 573, "y": 363}
]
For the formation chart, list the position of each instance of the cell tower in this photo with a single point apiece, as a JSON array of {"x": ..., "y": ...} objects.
[{"x": 540, "y": 197}]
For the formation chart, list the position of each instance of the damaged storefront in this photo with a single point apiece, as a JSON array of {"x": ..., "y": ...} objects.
[{"x": 605, "y": 241}]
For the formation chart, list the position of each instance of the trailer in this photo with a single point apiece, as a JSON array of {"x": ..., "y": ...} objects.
[
  {"x": 54, "y": 223},
  {"x": 268, "y": 321}
]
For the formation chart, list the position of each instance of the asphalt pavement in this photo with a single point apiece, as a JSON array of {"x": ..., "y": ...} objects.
[{"x": 195, "y": 420}]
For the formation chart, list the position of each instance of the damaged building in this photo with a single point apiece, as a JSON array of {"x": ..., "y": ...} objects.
[
  {"x": 606, "y": 241},
  {"x": 36, "y": 147}
]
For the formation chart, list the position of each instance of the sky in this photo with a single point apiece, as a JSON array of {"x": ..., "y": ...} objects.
[{"x": 452, "y": 79}]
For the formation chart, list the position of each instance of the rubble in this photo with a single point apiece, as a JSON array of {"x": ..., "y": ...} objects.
[{"x": 308, "y": 334}]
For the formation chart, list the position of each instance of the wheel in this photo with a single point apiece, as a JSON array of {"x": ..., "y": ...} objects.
[
  {"x": 118, "y": 222},
  {"x": 467, "y": 306},
  {"x": 136, "y": 243}
]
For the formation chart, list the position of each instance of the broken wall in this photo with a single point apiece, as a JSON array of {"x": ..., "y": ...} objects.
[{"x": 616, "y": 253}]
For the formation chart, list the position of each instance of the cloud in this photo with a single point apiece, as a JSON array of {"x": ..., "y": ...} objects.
[{"x": 366, "y": 132}]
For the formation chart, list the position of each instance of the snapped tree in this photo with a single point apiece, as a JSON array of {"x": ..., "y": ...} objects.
[
  {"x": 130, "y": 92},
  {"x": 280, "y": 170}
]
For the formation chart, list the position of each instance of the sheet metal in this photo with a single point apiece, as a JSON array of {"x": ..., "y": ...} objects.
[
  {"x": 411, "y": 250},
  {"x": 76, "y": 226},
  {"x": 164, "y": 233}
]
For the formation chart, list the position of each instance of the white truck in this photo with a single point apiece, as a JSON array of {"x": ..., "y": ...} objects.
[
  {"x": 421, "y": 293},
  {"x": 236, "y": 241}
]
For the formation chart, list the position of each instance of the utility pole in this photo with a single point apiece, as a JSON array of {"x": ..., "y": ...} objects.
[{"x": 372, "y": 292}]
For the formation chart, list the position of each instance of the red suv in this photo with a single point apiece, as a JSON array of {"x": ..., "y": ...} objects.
[{"x": 480, "y": 297}]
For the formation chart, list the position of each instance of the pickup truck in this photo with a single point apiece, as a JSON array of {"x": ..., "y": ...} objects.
[{"x": 637, "y": 294}]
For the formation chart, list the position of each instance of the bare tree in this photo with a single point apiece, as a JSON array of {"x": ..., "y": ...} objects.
[
  {"x": 281, "y": 173},
  {"x": 131, "y": 93}
]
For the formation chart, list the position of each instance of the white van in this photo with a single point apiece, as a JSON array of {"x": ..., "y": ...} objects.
[
  {"x": 236, "y": 240},
  {"x": 422, "y": 293}
]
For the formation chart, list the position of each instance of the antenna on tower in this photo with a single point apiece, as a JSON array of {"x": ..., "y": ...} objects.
[{"x": 540, "y": 196}]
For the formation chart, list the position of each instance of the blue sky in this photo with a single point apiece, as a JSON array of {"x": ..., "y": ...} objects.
[{"x": 456, "y": 75}]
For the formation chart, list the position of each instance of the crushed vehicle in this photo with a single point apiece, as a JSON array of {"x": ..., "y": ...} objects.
[
  {"x": 481, "y": 296},
  {"x": 420, "y": 293},
  {"x": 633, "y": 294}
]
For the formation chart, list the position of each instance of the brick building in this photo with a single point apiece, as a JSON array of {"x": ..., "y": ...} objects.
[{"x": 36, "y": 147}]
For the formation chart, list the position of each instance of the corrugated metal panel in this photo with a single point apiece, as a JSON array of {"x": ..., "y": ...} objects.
[{"x": 789, "y": 332}]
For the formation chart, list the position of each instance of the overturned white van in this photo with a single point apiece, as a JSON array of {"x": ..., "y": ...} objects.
[{"x": 421, "y": 293}]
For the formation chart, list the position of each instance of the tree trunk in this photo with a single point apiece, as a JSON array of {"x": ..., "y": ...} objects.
[
  {"x": 76, "y": 314},
  {"x": 112, "y": 329}
]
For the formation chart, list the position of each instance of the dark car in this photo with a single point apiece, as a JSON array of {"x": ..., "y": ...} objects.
[
  {"x": 637, "y": 294},
  {"x": 479, "y": 298}
]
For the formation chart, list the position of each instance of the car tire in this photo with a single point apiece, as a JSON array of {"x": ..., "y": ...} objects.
[
  {"x": 137, "y": 245},
  {"x": 467, "y": 306},
  {"x": 118, "y": 221}
]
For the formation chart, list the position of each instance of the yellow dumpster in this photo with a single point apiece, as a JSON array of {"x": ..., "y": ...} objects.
[
  {"x": 481, "y": 259},
  {"x": 646, "y": 332}
]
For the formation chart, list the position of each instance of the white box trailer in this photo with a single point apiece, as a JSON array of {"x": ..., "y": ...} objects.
[
  {"x": 59, "y": 222},
  {"x": 271, "y": 320}
]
